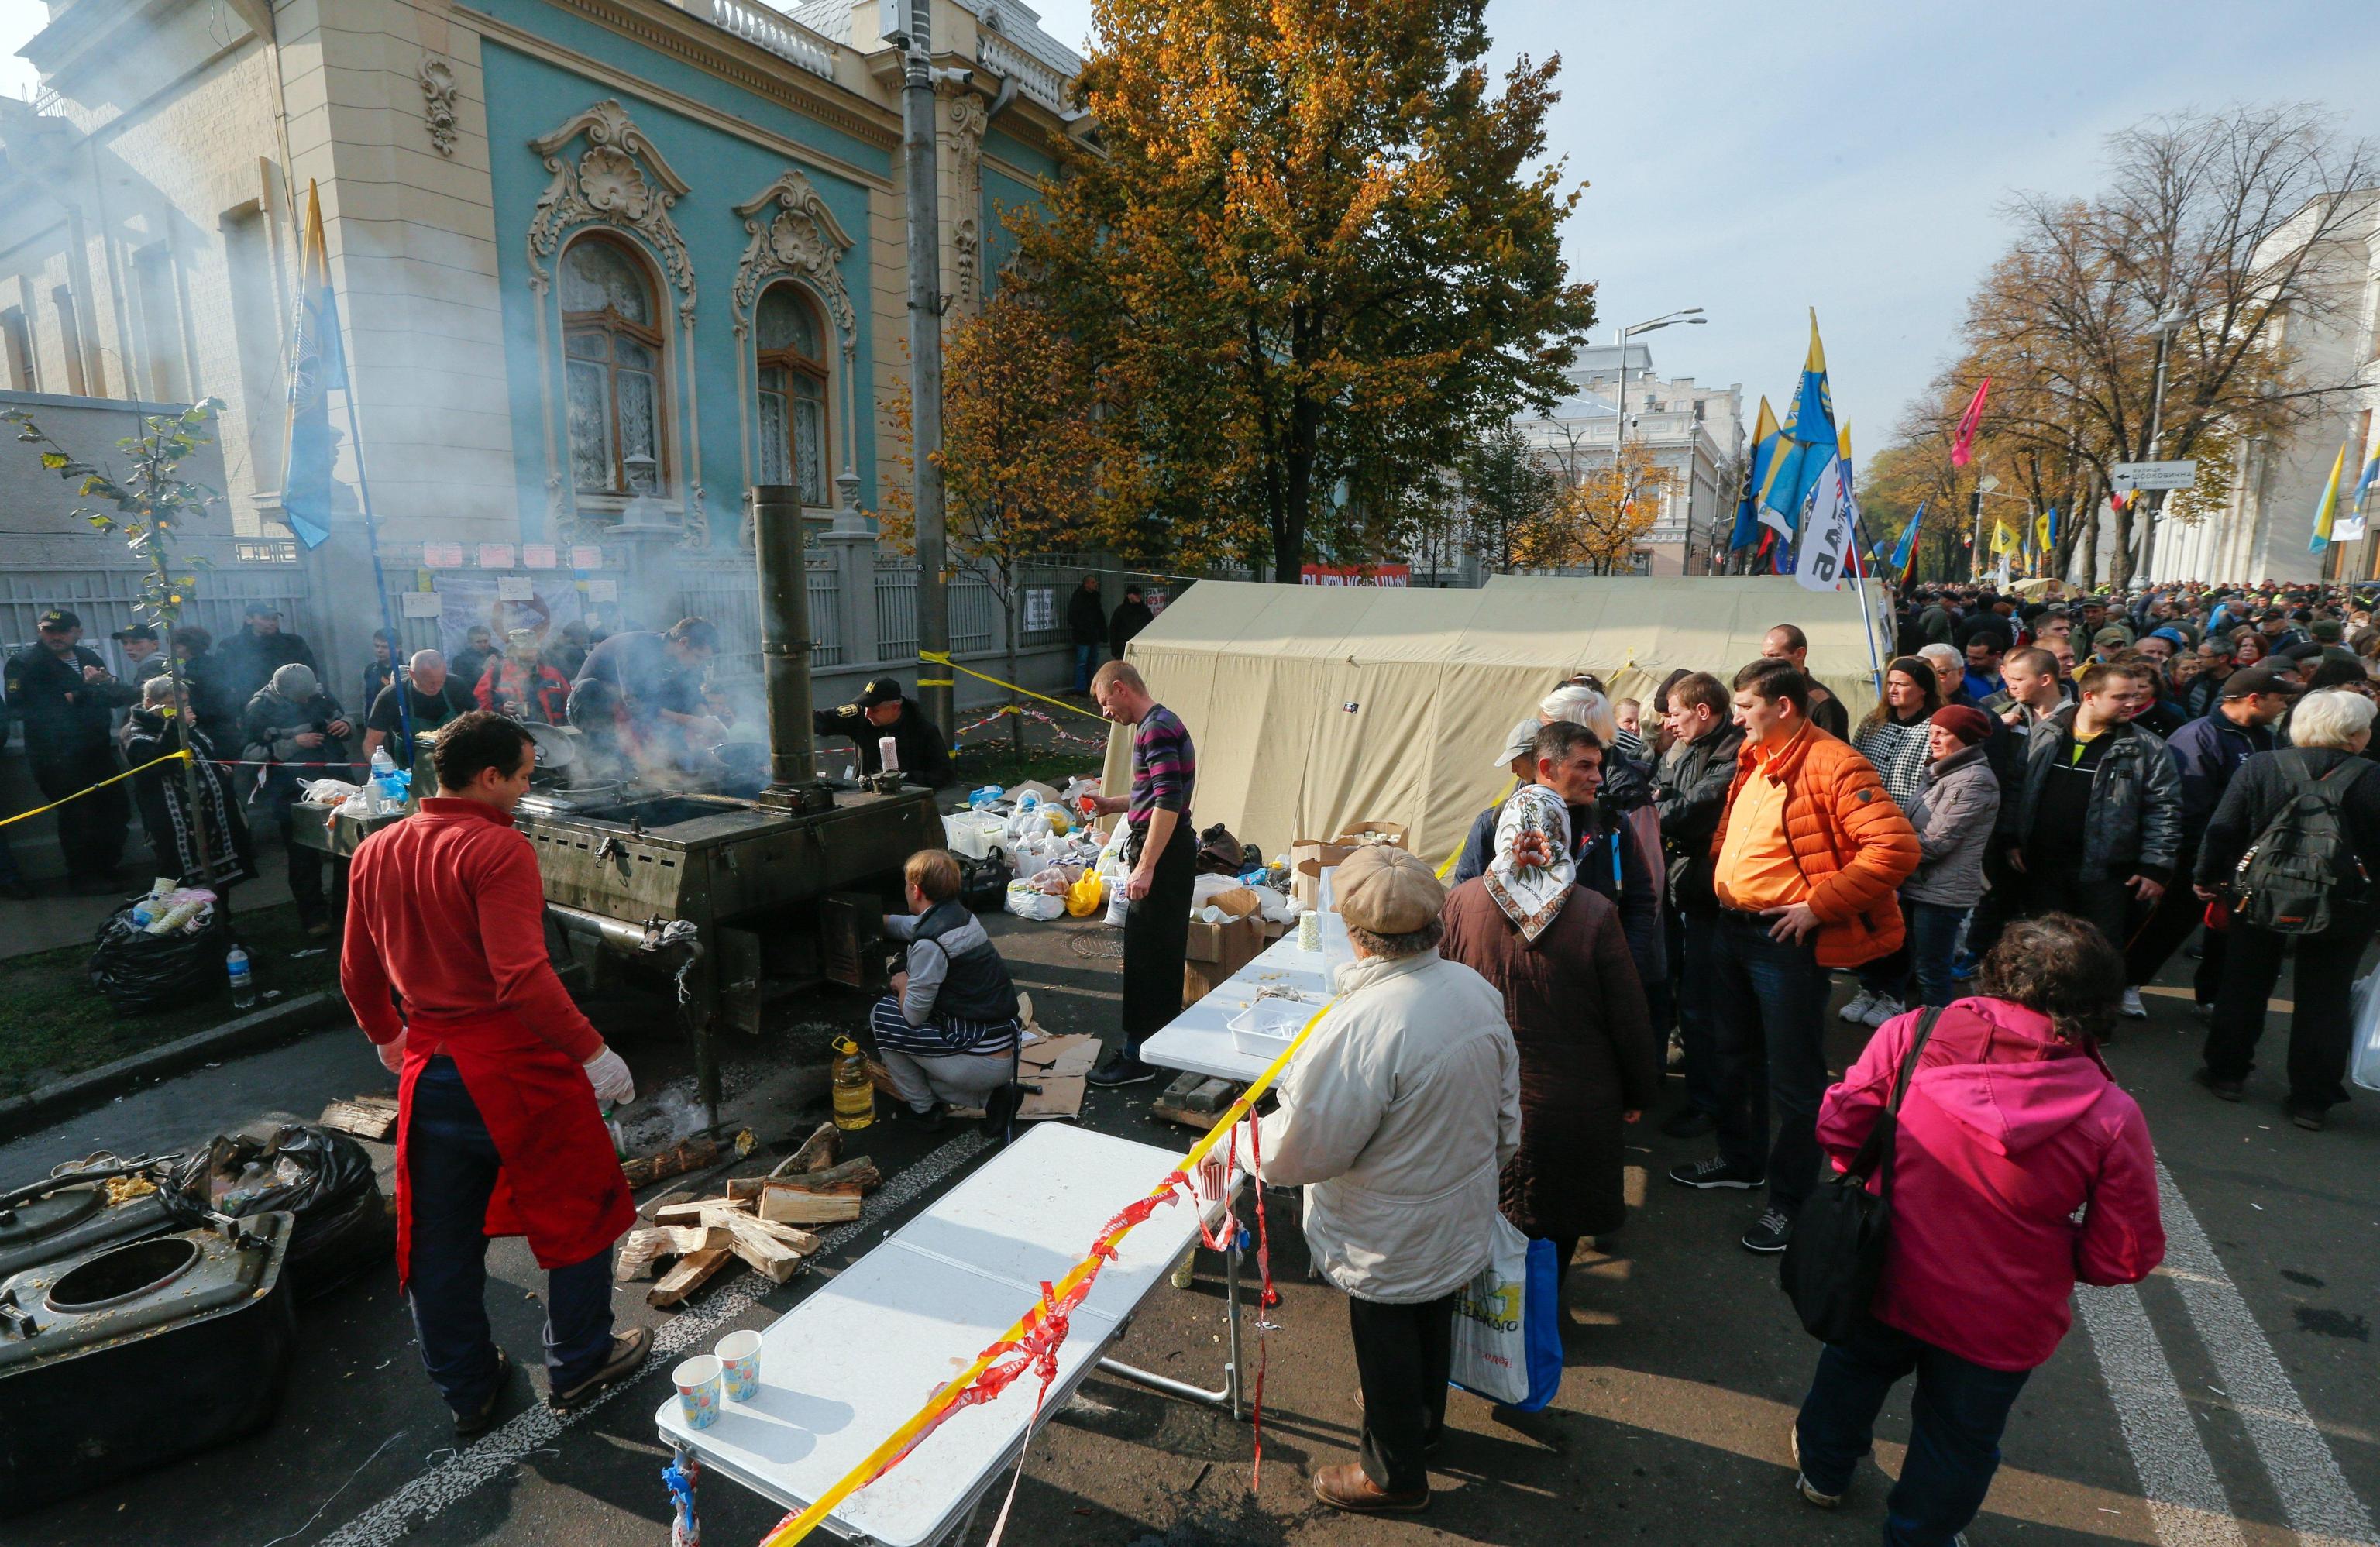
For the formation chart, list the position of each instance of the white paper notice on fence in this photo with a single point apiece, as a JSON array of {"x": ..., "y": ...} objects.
[
  {"x": 442, "y": 555},
  {"x": 1041, "y": 609},
  {"x": 539, "y": 555},
  {"x": 516, "y": 587},
  {"x": 495, "y": 555},
  {"x": 585, "y": 555},
  {"x": 602, "y": 588},
  {"x": 420, "y": 604}
]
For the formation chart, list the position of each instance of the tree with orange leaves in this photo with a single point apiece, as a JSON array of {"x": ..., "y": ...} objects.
[
  {"x": 1600, "y": 513},
  {"x": 1017, "y": 448},
  {"x": 1310, "y": 263}
]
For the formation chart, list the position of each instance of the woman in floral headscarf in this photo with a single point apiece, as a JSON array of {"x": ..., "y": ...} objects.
[{"x": 1589, "y": 1061}]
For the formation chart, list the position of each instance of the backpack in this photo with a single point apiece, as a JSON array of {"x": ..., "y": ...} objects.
[{"x": 2288, "y": 876}]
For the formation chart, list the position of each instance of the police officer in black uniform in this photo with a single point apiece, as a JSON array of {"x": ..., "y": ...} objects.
[
  {"x": 64, "y": 693},
  {"x": 882, "y": 709}
]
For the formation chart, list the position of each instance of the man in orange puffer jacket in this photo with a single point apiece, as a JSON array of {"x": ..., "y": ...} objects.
[{"x": 1808, "y": 856}]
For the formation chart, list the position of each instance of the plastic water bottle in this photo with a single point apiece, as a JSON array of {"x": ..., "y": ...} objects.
[
  {"x": 383, "y": 764},
  {"x": 243, "y": 983}
]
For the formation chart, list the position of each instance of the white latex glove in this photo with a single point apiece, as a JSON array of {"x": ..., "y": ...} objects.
[
  {"x": 392, "y": 1055},
  {"x": 608, "y": 1072}
]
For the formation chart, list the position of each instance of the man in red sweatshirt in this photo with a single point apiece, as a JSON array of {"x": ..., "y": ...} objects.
[{"x": 499, "y": 1074}]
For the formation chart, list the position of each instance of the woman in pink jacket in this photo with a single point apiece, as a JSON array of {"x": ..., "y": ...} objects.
[{"x": 2019, "y": 1168}]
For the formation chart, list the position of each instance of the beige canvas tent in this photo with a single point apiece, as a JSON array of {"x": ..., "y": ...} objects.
[{"x": 1315, "y": 707}]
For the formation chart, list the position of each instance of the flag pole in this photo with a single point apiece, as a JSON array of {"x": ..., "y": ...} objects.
[{"x": 400, "y": 672}]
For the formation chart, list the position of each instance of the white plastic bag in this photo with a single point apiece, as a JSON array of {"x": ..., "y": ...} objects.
[
  {"x": 1490, "y": 1351},
  {"x": 1029, "y": 901},
  {"x": 2364, "y": 1014}
]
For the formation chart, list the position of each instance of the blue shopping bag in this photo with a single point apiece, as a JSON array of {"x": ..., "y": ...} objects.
[{"x": 1508, "y": 1325}]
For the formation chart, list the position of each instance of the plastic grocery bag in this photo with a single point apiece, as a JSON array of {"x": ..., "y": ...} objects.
[
  {"x": 1508, "y": 1325},
  {"x": 1086, "y": 897},
  {"x": 2364, "y": 1016},
  {"x": 1029, "y": 901}
]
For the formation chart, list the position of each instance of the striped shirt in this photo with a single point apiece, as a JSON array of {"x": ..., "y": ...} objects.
[{"x": 1164, "y": 769}]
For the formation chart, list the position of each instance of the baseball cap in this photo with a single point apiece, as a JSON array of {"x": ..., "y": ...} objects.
[
  {"x": 260, "y": 609},
  {"x": 1518, "y": 742},
  {"x": 880, "y": 690},
  {"x": 137, "y": 630},
  {"x": 2250, "y": 681},
  {"x": 2111, "y": 635},
  {"x": 59, "y": 618}
]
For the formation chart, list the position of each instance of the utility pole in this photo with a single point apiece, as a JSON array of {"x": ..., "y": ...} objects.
[
  {"x": 1976, "y": 547},
  {"x": 915, "y": 35},
  {"x": 2165, "y": 327}
]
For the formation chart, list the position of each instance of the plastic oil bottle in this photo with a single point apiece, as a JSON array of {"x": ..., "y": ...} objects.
[{"x": 855, "y": 1093}]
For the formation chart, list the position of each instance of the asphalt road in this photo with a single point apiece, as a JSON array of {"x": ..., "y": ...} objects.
[{"x": 2233, "y": 1399}]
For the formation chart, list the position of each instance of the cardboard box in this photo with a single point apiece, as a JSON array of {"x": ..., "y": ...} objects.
[
  {"x": 1317, "y": 851},
  {"x": 1216, "y": 951},
  {"x": 1306, "y": 883}
]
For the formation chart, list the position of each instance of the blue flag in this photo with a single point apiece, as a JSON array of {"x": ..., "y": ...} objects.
[
  {"x": 317, "y": 367},
  {"x": 1904, "y": 553},
  {"x": 1806, "y": 445},
  {"x": 1747, "y": 510}
]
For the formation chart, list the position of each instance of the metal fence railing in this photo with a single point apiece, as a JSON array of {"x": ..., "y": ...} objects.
[
  {"x": 896, "y": 612},
  {"x": 108, "y": 599}
]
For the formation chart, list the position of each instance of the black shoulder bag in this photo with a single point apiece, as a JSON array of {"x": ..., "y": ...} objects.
[{"x": 1836, "y": 1254}]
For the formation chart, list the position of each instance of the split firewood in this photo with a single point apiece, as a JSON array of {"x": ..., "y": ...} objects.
[
  {"x": 689, "y": 1275},
  {"x": 859, "y": 1171},
  {"x": 692, "y": 1155},
  {"x": 774, "y": 1249},
  {"x": 692, "y": 1212},
  {"x": 365, "y": 1116},
  {"x": 819, "y": 1151},
  {"x": 785, "y": 1205},
  {"x": 674, "y": 1195},
  {"x": 640, "y": 1254}
]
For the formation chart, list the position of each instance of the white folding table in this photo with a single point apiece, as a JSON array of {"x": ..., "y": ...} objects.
[
  {"x": 1198, "y": 1041},
  {"x": 853, "y": 1361}
]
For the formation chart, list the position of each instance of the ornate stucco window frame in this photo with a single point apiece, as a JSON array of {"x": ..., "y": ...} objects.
[
  {"x": 792, "y": 235},
  {"x": 621, "y": 183}
]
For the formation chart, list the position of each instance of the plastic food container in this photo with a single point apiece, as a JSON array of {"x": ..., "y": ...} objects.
[{"x": 1265, "y": 1029}]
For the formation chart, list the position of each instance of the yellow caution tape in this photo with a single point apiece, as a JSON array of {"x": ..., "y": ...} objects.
[
  {"x": 940, "y": 658},
  {"x": 1448, "y": 868},
  {"x": 800, "y": 1525},
  {"x": 177, "y": 756}
]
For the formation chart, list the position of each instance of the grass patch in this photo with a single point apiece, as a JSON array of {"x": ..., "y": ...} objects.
[
  {"x": 979, "y": 765},
  {"x": 54, "y": 1022}
]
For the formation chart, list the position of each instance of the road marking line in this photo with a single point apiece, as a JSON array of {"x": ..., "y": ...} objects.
[
  {"x": 495, "y": 1452},
  {"x": 2178, "y": 1478},
  {"x": 2313, "y": 1491}
]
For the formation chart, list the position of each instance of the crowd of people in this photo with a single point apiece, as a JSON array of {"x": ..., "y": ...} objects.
[
  {"x": 265, "y": 722},
  {"x": 2003, "y": 853}
]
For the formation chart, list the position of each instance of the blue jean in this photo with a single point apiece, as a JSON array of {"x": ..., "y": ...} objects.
[
  {"x": 1087, "y": 660},
  {"x": 1956, "y": 1419},
  {"x": 1769, "y": 1000},
  {"x": 1933, "y": 935},
  {"x": 451, "y": 1162}
]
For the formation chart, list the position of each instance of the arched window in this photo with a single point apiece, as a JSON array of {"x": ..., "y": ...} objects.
[
  {"x": 614, "y": 348},
  {"x": 793, "y": 392}
]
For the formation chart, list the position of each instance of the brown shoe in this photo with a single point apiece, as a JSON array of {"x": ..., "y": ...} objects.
[
  {"x": 628, "y": 1351},
  {"x": 1347, "y": 1488}
]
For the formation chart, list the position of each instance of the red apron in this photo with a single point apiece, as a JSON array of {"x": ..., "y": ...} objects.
[{"x": 561, "y": 1185}]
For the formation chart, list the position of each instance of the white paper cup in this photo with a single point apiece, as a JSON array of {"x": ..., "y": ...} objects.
[
  {"x": 739, "y": 1362},
  {"x": 698, "y": 1391}
]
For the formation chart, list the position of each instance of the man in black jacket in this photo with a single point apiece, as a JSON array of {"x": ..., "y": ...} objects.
[
  {"x": 1086, "y": 626},
  {"x": 1130, "y": 617},
  {"x": 1689, "y": 793},
  {"x": 882, "y": 709},
  {"x": 249, "y": 657},
  {"x": 64, "y": 693},
  {"x": 1787, "y": 642}
]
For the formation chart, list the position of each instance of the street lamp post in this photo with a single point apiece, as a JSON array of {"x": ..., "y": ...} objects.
[
  {"x": 1690, "y": 317},
  {"x": 2165, "y": 327}
]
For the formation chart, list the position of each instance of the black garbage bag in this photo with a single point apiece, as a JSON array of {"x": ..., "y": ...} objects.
[
  {"x": 983, "y": 884},
  {"x": 142, "y": 973},
  {"x": 323, "y": 1178}
]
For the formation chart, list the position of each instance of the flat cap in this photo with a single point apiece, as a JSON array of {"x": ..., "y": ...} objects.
[{"x": 1382, "y": 889}]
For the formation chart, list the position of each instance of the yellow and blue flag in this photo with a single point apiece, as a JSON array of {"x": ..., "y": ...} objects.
[
  {"x": 1804, "y": 446},
  {"x": 1764, "y": 447},
  {"x": 2367, "y": 499},
  {"x": 317, "y": 367},
  {"x": 1904, "y": 555},
  {"x": 2326, "y": 510}
]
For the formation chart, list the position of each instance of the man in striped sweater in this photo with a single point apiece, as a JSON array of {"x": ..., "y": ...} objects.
[{"x": 1162, "y": 849}]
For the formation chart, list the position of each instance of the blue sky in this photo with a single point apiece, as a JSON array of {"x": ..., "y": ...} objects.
[{"x": 1760, "y": 159}]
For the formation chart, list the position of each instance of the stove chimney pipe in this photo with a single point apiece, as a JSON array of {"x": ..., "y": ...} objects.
[{"x": 786, "y": 643}]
